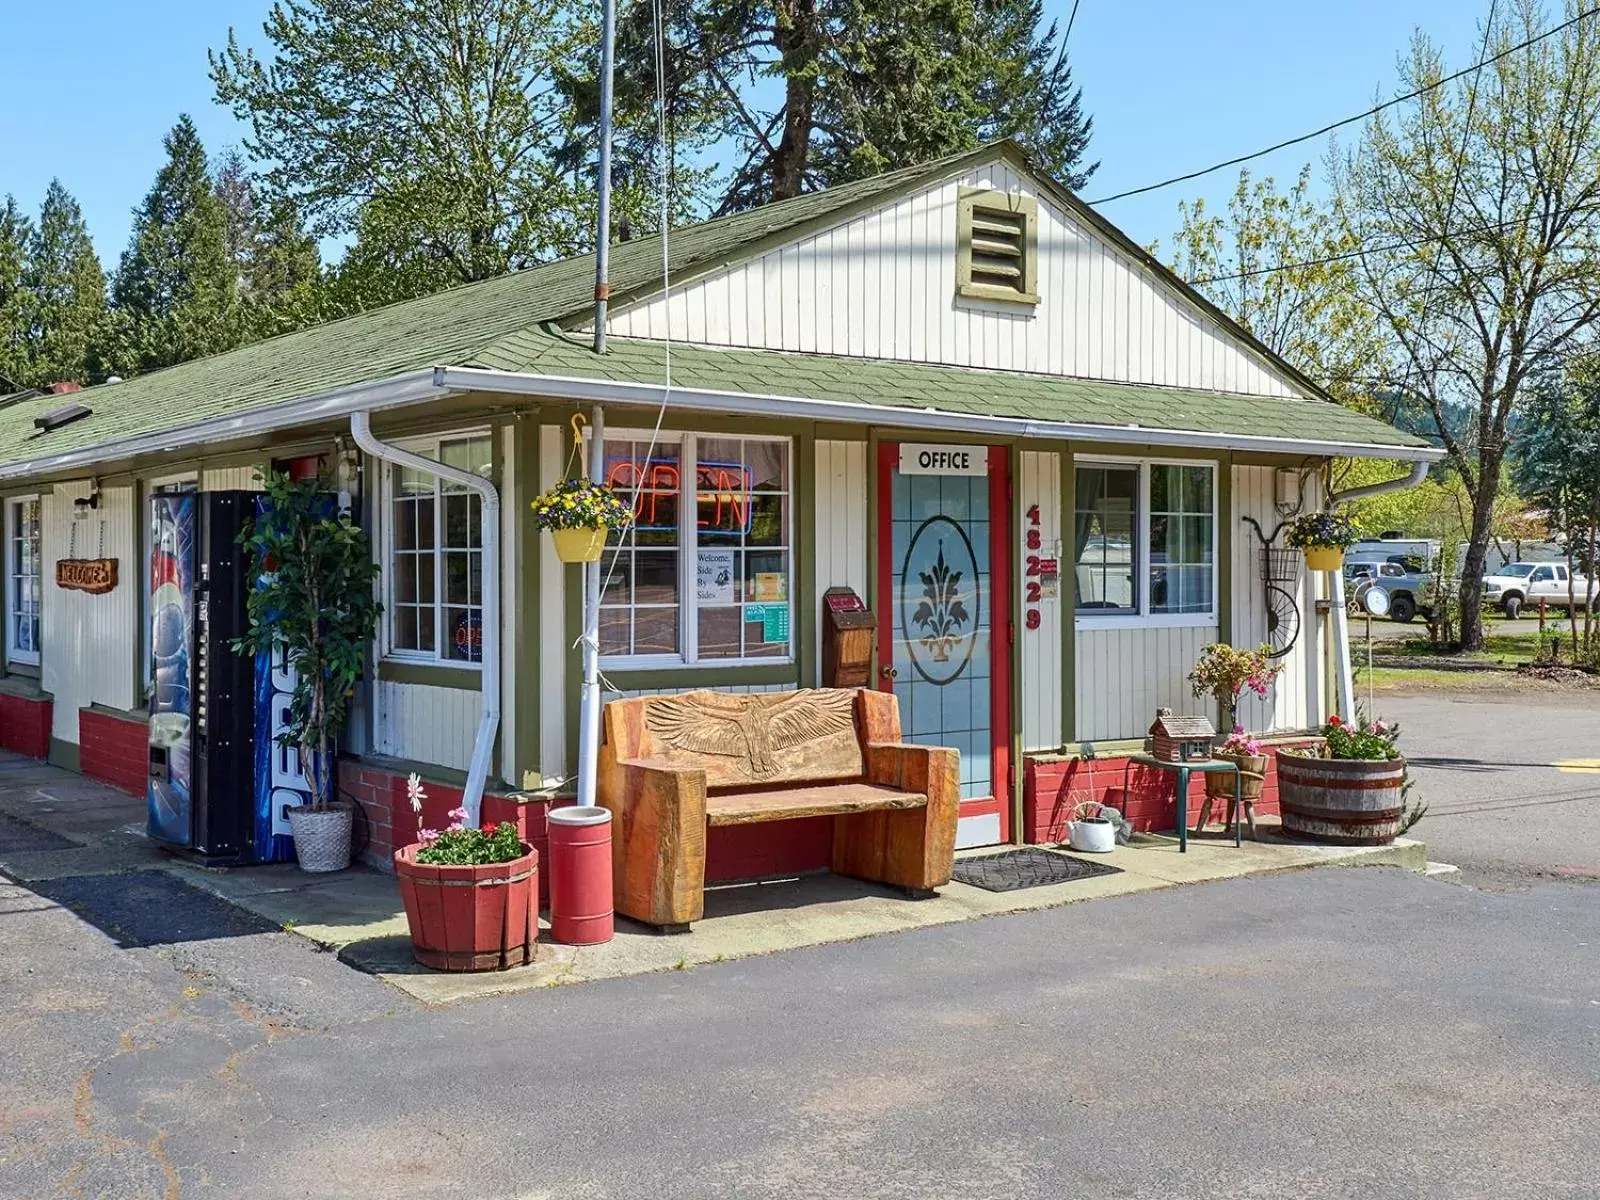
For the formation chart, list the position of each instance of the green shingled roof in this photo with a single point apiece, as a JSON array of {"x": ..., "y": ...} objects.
[
  {"x": 963, "y": 390},
  {"x": 502, "y": 323}
]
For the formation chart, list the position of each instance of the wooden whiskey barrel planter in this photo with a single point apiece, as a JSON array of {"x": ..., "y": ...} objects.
[
  {"x": 1344, "y": 802},
  {"x": 1252, "y": 778},
  {"x": 482, "y": 918}
]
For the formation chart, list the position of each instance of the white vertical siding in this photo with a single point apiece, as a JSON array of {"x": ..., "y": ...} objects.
[
  {"x": 1296, "y": 699},
  {"x": 841, "y": 506},
  {"x": 882, "y": 285},
  {"x": 552, "y": 627},
  {"x": 89, "y": 642},
  {"x": 1039, "y": 488},
  {"x": 231, "y": 479},
  {"x": 1124, "y": 675},
  {"x": 427, "y": 724}
]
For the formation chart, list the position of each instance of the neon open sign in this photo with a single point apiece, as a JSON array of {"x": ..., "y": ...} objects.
[{"x": 722, "y": 493}]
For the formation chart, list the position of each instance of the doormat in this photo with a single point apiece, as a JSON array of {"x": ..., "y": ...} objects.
[{"x": 1029, "y": 867}]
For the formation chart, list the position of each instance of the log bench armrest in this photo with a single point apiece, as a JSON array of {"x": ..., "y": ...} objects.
[
  {"x": 912, "y": 849},
  {"x": 658, "y": 838}
]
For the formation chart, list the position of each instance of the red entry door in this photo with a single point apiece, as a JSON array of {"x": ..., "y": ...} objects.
[{"x": 944, "y": 615}]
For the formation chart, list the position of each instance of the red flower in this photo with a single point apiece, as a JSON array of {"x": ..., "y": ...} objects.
[{"x": 1335, "y": 721}]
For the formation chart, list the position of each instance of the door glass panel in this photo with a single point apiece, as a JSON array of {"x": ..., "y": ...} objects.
[{"x": 942, "y": 618}]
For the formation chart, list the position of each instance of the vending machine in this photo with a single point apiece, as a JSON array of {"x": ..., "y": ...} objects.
[{"x": 201, "y": 791}]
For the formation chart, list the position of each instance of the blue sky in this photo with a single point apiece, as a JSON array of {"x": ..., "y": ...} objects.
[{"x": 1173, "y": 85}]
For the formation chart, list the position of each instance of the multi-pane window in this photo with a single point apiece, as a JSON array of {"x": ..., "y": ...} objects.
[
  {"x": 435, "y": 601},
  {"x": 1105, "y": 518},
  {"x": 1145, "y": 540},
  {"x": 1181, "y": 535},
  {"x": 24, "y": 582},
  {"x": 714, "y": 588}
]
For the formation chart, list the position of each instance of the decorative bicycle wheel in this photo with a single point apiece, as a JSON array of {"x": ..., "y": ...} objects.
[{"x": 1283, "y": 621}]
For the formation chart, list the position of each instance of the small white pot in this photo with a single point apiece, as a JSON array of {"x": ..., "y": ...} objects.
[{"x": 1098, "y": 836}]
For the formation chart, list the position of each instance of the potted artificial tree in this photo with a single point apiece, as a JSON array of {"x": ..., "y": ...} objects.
[
  {"x": 1224, "y": 673},
  {"x": 313, "y": 599},
  {"x": 1323, "y": 538},
  {"x": 579, "y": 513}
]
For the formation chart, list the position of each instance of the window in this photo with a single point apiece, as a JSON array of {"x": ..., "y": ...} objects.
[
  {"x": 435, "y": 600},
  {"x": 24, "y": 581},
  {"x": 1543, "y": 575},
  {"x": 997, "y": 246},
  {"x": 1145, "y": 542},
  {"x": 714, "y": 589},
  {"x": 1107, "y": 566}
]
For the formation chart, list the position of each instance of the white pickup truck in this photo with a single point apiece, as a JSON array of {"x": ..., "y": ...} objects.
[{"x": 1517, "y": 586}]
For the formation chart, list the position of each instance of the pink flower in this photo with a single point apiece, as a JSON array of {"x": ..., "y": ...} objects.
[
  {"x": 427, "y": 836},
  {"x": 458, "y": 818}
]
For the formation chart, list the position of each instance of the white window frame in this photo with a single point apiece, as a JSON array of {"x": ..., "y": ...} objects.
[
  {"x": 14, "y": 654},
  {"x": 1143, "y": 618},
  {"x": 688, "y": 553},
  {"x": 430, "y": 447}
]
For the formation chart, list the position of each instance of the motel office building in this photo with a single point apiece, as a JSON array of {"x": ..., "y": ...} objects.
[{"x": 954, "y": 390}]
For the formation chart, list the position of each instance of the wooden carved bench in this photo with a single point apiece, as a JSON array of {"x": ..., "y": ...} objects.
[{"x": 670, "y": 766}]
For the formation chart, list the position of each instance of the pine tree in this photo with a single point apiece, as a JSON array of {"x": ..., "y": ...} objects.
[
  {"x": 66, "y": 292},
  {"x": 176, "y": 290},
  {"x": 812, "y": 93},
  {"x": 15, "y": 232}
]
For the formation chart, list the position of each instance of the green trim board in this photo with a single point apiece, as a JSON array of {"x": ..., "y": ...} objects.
[
  {"x": 522, "y": 622},
  {"x": 66, "y": 755},
  {"x": 464, "y": 679},
  {"x": 1068, "y": 501}
]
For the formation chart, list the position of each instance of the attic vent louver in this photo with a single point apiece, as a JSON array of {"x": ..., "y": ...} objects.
[
  {"x": 996, "y": 246},
  {"x": 57, "y": 417}
]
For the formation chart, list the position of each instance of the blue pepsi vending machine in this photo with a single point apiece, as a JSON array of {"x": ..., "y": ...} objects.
[
  {"x": 201, "y": 791},
  {"x": 280, "y": 778}
]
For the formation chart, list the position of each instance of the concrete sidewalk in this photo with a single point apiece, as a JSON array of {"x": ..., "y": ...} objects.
[{"x": 357, "y": 912}]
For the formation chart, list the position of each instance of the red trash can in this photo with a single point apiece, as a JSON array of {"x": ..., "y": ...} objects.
[{"x": 580, "y": 875}]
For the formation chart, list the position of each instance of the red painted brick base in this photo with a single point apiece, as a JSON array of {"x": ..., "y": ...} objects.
[
  {"x": 1052, "y": 785},
  {"x": 732, "y": 852},
  {"x": 114, "y": 748},
  {"x": 25, "y": 724}
]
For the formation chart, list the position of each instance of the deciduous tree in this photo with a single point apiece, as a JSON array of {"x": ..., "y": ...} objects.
[{"x": 1477, "y": 210}]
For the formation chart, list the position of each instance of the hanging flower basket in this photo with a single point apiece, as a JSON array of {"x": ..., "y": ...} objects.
[
  {"x": 579, "y": 513},
  {"x": 1322, "y": 538},
  {"x": 579, "y": 545}
]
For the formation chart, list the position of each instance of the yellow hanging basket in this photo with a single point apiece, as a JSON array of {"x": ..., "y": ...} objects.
[
  {"x": 579, "y": 545},
  {"x": 1324, "y": 558}
]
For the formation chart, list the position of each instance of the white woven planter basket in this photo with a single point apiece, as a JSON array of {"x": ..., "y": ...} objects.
[{"x": 322, "y": 837}]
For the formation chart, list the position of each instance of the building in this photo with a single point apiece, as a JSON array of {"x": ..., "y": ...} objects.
[{"x": 934, "y": 387}]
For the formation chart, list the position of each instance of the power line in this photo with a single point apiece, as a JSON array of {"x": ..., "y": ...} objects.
[
  {"x": 1071, "y": 17},
  {"x": 1316, "y": 133},
  {"x": 1347, "y": 255}
]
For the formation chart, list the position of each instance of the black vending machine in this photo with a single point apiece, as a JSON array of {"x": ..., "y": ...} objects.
[{"x": 202, "y": 703}]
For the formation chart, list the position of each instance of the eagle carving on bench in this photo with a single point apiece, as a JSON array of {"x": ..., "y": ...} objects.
[{"x": 753, "y": 727}]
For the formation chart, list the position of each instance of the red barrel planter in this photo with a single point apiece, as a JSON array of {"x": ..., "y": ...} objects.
[
  {"x": 1341, "y": 801},
  {"x": 480, "y": 918}
]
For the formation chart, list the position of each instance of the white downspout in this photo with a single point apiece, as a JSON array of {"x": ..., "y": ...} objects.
[
  {"x": 489, "y": 724},
  {"x": 1341, "y": 622},
  {"x": 589, "y": 712}
]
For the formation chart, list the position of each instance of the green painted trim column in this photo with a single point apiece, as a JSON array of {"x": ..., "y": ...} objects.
[
  {"x": 1224, "y": 547},
  {"x": 1069, "y": 597},
  {"x": 523, "y": 623},
  {"x": 805, "y": 606}
]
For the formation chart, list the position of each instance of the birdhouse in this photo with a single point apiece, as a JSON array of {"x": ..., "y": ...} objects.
[{"x": 1180, "y": 739}]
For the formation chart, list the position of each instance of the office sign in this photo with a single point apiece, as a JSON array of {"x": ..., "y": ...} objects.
[{"x": 917, "y": 459}]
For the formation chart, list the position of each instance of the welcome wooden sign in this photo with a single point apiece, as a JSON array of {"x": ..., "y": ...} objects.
[{"x": 93, "y": 575}]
